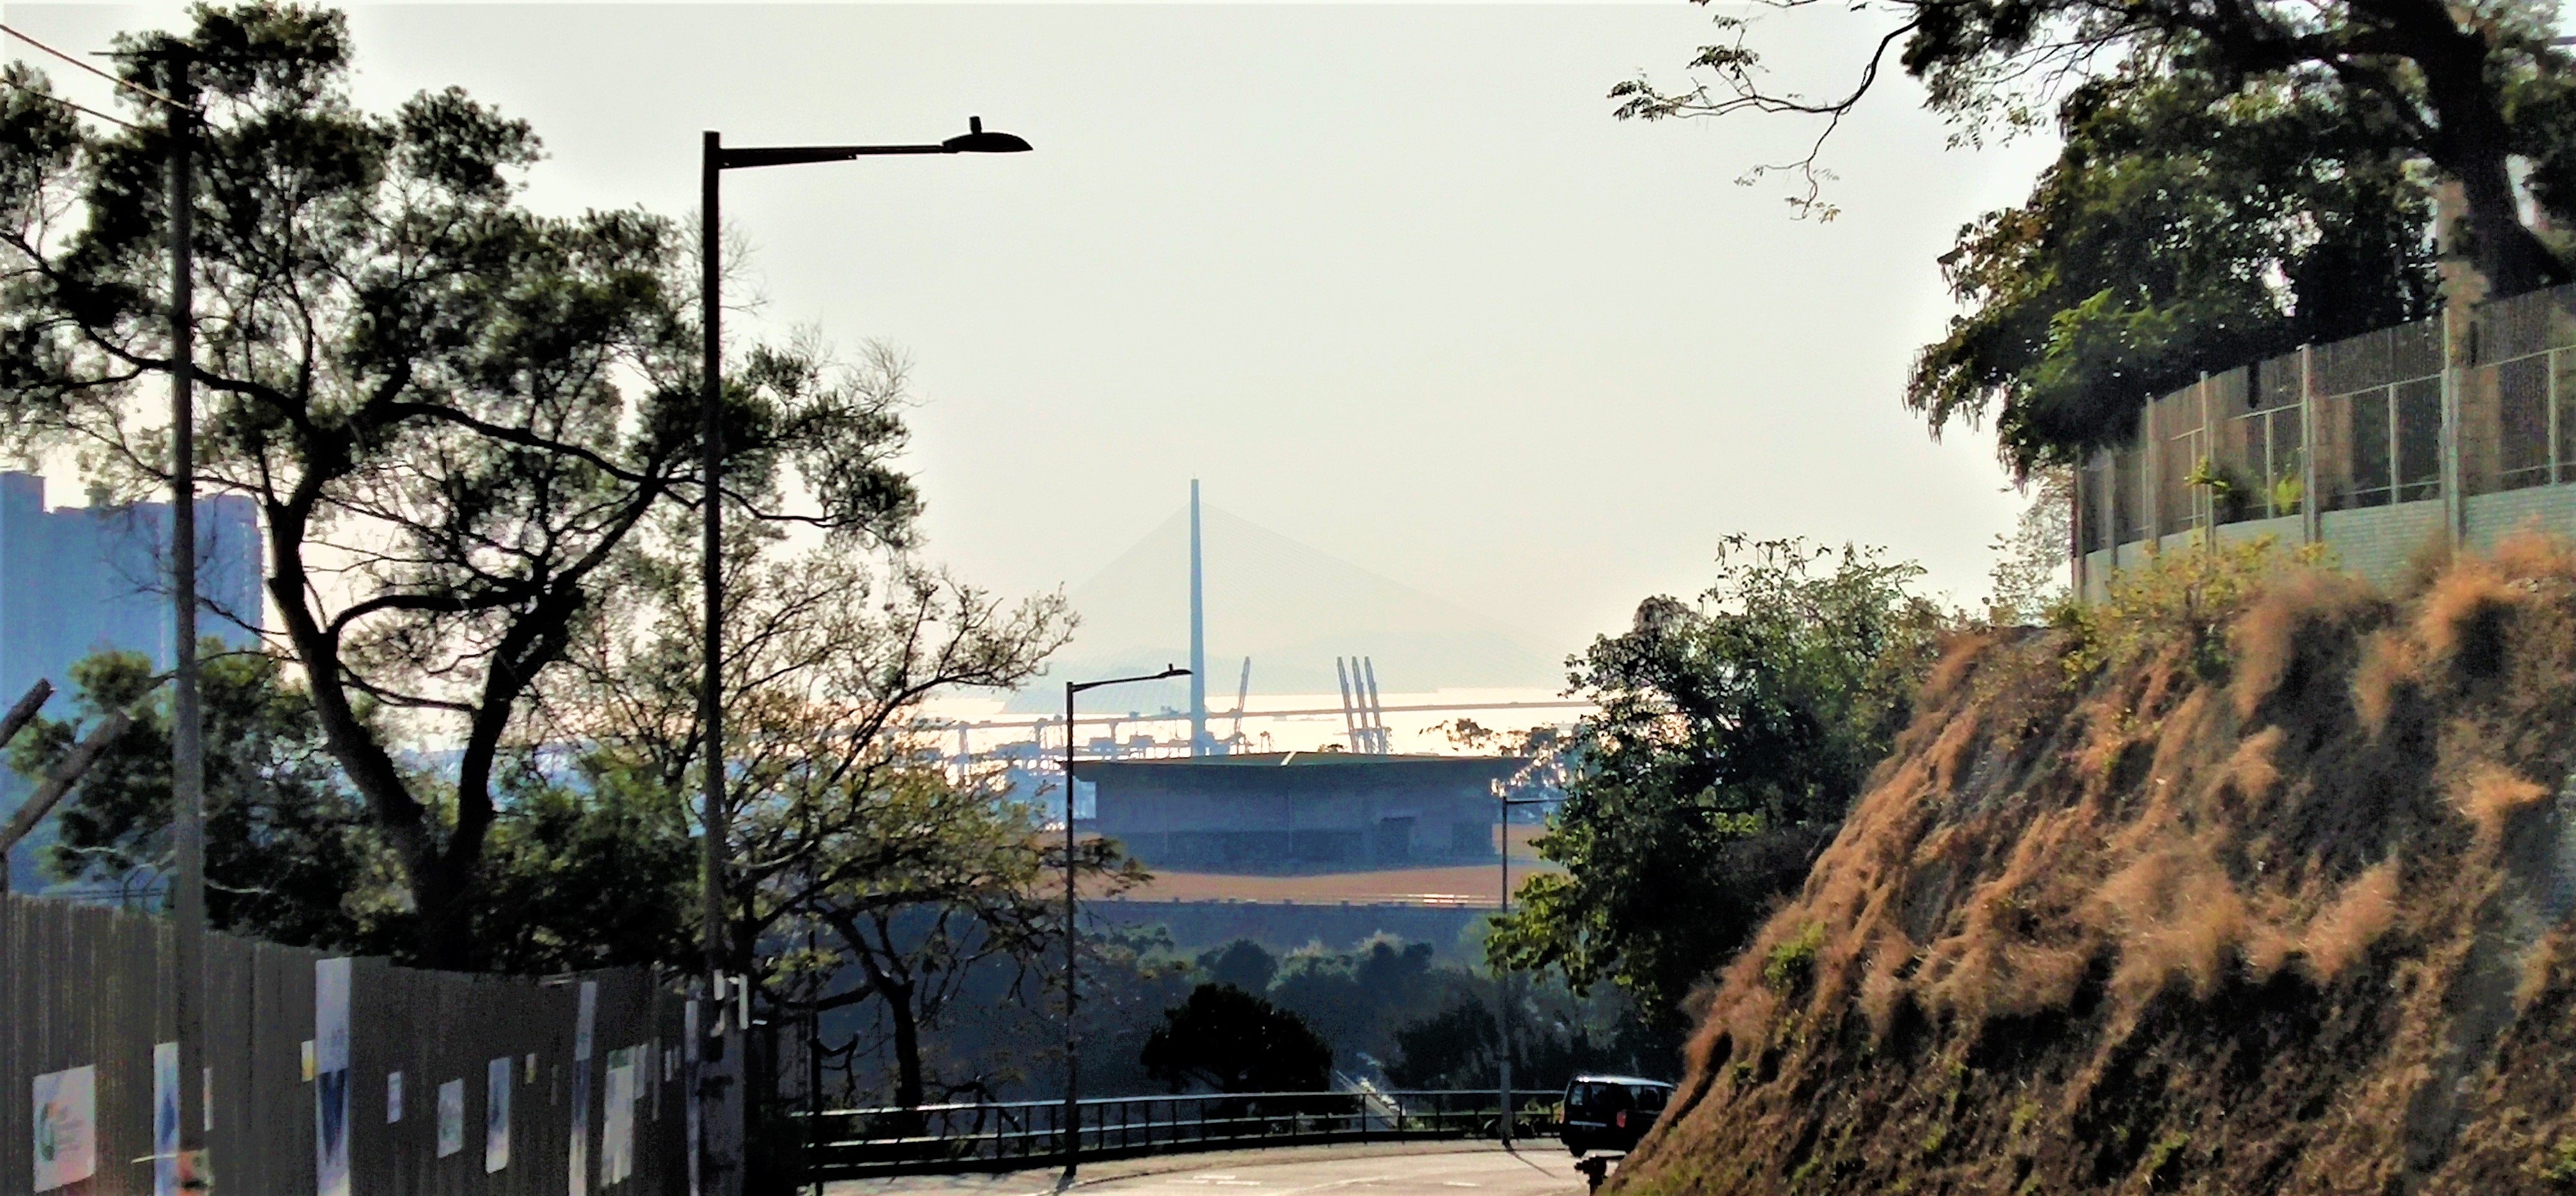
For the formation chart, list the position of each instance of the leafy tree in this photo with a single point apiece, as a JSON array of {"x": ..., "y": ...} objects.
[
  {"x": 958, "y": 879},
  {"x": 2466, "y": 87},
  {"x": 2187, "y": 227},
  {"x": 2293, "y": 221},
  {"x": 1731, "y": 736},
  {"x": 588, "y": 870},
  {"x": 290, "y": 856},
  {"x": 907, "y": 882},
  {"x": 1457, "y": 1047},
  {"x": 2031, "y": 575},
  {"x": 452, "y": 413},
  {"x": 1229, "y": 1040},
  {"x": 1242, "y": 964},
  {"x": 1356, "y": 999}
]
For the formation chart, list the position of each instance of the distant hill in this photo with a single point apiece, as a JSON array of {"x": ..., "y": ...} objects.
[{"x": 1290, "y": 607}]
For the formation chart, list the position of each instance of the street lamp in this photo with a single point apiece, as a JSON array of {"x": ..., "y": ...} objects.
[
  {"x": 1072, "y": 1086},
  {"x": 1503, "y": 977},
  {"x": 714, "y": 161}
]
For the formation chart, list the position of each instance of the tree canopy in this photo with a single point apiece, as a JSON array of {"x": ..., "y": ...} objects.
[
  {"x": 1732, "y": 733},
  {"x": 1228, "y": 1040},
  {"x": 2237, "y": 178},
  {"x": 289, "y": 856},
  {"x": 451, "y": 412},
  {"x": 2186, "y": 228}
]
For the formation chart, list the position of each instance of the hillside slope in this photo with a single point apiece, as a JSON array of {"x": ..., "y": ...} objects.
[{"x": 2239, "y": 888}]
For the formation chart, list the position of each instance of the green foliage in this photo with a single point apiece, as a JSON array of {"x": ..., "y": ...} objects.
[
  {"x": 1793, "y": 960},
  {"x": 589, "y": 871},
  {"x": 1732, "y": 734},
  {"x": 2560, "y": 1166},
  {"x": 289, "y": 854},
  {"x": 1242, "y": 964},
  {"x": 1457, "y": 1047},
  {"x": 582, "y": 873},
  {"x": 1228, "y": 1040},
  {"x": 2190, "y": 224},
  {"x": 1356, "y": 999},
  {"x": 2186, "y": 596},
  {"x": 454, "y": 413},
  {"x": 2164, "y": 1157},
  {"x": 2030, "y": 579}
]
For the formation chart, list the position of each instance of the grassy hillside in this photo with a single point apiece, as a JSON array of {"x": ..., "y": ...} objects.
[{"x": 2252, "y": 880}]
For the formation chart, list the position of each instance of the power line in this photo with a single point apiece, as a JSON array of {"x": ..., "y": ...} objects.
[
  {"x": 47, "y": 95},
  {"x": 127, "y": 84}
]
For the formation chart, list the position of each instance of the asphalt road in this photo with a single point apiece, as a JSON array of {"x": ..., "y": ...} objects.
[{"x": 1541, "y": 1170}]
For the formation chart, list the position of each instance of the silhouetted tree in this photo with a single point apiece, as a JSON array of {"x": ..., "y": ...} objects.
[{"x": 1229, "y": 1040}]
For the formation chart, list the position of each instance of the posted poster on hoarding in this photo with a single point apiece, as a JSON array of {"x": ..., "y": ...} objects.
[
  {"x": 331, "y": 1077},
  {"x": 165, "y": 1119},
  {"x": 689, "y": 1088},
  {"x": 496, "y": 1115},
  {"x": 617, "y": 1135},
  {"x": 581, "y": 1037},
  {"x": 66, "y": 1122},
  {"x": 451, "y": 1118}
]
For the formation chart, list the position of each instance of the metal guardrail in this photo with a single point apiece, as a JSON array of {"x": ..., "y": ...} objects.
[{"x": 848, "y": 1143}]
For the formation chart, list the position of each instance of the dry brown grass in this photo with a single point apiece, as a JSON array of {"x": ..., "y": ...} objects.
[
  {"x": 2083, "y": 897},
  {"x": 2460, "y": 622},
  {"x": 2283, "y": 626},
  {"x": 2342, "y": 933},
  {"x": 2490, "y": 796},
  {"x": 2391, "y": 666}
]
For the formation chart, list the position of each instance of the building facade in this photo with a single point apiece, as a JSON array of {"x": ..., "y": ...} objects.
[
  {"x": 78, "y": 580},
  {"x": 1301, "y": 812},
  {"x": 2454, "y": 431}
]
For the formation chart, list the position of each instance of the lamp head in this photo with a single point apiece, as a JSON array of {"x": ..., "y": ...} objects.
[{"x": 977, "y": 141}]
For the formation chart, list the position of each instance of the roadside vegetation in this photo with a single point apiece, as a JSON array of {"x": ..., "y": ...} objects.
[{"x": 2248, "y": 879}]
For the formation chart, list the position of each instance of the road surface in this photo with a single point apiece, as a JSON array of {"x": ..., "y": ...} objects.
[{"x": 1428, "y": 1170}]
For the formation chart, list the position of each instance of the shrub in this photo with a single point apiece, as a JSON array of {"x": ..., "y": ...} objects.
[{"x": 1793, "y": 960}]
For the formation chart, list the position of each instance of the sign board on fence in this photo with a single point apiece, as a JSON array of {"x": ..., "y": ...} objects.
[
  {"x": 331, "y": 1077},
  {"x": 165, "y": 1119},
  {"x": 451, "y": 1118},
  {"x": 496, "y": 1115},
  {"x": 617, "y": 1136},
  {"x": 66, "y": 1120},
  {"x": 581, "y": 1035}
]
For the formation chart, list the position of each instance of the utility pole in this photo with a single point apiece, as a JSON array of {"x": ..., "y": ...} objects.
[
  {"x": 1503, "y": 975},
  {"x": 187, "y": 732}
]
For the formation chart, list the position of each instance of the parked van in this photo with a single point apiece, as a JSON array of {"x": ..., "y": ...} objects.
[{"x": 1609, "y": 1112}]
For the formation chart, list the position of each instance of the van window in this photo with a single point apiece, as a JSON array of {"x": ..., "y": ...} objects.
[
  {"x": 1651, "y": 1097},
  {"x": 1602, "y": 1098}
]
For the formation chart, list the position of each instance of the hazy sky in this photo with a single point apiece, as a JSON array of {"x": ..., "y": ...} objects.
[{"x": 1389, "y": 279}]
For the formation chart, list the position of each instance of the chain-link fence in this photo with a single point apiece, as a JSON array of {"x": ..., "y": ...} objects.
[{"x": 2373, "y": 446}]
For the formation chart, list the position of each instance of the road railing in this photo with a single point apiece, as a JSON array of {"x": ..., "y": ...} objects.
[{"x": 1007, "y": 1135}]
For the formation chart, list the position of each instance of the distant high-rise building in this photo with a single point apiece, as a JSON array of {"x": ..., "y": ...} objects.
[{"x": 79, "y": 580}]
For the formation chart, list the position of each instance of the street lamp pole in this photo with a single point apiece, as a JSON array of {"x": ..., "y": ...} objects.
[
  {"x": 1503, "y": 976},
  {"x": 1072, "y": 1118},
  {"x": 722, "y": 1090}
]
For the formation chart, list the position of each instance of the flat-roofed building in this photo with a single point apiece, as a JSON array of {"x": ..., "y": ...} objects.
[{"x": 1301, "y": 811}]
